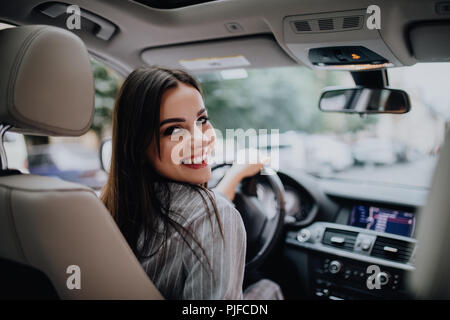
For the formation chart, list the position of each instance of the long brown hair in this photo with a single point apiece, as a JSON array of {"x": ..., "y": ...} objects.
[{"x": 136, "y": 195}]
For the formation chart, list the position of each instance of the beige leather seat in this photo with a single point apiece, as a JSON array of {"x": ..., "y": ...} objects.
[
  {"x": 46, "y": 88},
  {"x": 431, "y": 280}
]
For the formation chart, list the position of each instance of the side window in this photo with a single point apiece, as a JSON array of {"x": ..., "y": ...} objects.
[{"x": 74, "y": 159}]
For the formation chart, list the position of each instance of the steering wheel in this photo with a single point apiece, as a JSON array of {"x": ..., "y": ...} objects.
[{"x": 263, "y": 217}]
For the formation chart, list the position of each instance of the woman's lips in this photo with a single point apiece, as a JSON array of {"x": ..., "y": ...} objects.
[
  {"x": 196, "y": 159},
  {"x": 196, "y": 166},
  {"x": 197, "y": 162}
]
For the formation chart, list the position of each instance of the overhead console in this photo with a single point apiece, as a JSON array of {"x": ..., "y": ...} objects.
[
  {"x": 337, "y": 40},
  {"x": 346, "y": 56}
]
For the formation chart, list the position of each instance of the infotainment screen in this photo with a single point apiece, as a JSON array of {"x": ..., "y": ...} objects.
[{"x": 383, "y": 220}]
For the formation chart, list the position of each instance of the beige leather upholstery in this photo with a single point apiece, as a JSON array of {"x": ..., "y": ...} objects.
[
  {"x": 43, "y": 90},
  {"x": 432, "y": 276},
  {"x": 46, "y": 87},
  {"x": 51, "y": 224}
]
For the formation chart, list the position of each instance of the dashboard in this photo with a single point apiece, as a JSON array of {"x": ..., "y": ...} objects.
[
  {"x": 382, "y": 219},
  {"x": 334, "y": 238},
  {"x": 301, "y": 207},
  {"x": 371, "y": 214},
  {"x": 337, "y": 232}
]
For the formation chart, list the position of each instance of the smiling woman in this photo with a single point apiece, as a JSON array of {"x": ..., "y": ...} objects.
[
  {"x": 183, "y": 115},
  {"x": 190, "y": 240}
]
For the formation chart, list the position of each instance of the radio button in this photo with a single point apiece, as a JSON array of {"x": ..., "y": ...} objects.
[
  {"x": 383, "y": 278},
  {"x": 335, "y": 267},
  {"x": 304, "y": 235},
  {"x": 365, "y": 244}
]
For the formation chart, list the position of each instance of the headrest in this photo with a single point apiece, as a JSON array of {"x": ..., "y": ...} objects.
[{"x": 46, "y": 81}]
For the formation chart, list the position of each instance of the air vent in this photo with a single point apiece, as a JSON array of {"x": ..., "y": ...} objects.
[
  {"x": 340, "y": 239},
  {"x": 326, "y": 24},
  {"x": 302, "y": 26},
  {"x": 333, "y": 24},
  {"x": 392, "y": 249},
  {"x": 351, "y": 22}
]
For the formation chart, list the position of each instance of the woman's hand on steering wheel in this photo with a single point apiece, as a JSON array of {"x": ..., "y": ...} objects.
[
  {"x": 236, "y": 173},
  {"x": 248, "y": 169}
]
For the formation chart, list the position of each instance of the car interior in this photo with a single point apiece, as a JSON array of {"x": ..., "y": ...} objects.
[{"x": 325, "y": 238}]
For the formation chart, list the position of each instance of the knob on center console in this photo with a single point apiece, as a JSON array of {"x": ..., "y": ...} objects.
[
  {"x": 304, "y": 235},
  {"x": 383, "y": 278},
  {"x": 335, "y": 266}
]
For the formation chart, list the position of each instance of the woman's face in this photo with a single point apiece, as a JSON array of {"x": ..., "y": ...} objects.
[{"x": 186, "y": 137}]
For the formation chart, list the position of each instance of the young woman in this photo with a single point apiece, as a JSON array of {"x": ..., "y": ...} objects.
[{"x": 189, "y": 239}]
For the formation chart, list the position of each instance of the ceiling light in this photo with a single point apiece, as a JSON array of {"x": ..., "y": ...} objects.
[{"x": 230, "y": 74}]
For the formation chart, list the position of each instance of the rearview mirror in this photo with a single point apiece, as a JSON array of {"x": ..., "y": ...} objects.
[{"x": 364, "y": 100}]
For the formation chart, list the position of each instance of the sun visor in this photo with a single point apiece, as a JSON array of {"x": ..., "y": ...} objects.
[
  {"x": 430, "y": 41},
  {"x": 243, "y": 52}
]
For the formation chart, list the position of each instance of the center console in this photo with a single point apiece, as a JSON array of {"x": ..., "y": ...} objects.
[{"x": 367, "y": 255}]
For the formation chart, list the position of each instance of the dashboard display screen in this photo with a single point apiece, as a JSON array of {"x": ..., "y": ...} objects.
[{"x": 383, "y": 220}]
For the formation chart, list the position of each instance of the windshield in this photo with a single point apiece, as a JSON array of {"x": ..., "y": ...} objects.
[{"x": 384, "y": 148}]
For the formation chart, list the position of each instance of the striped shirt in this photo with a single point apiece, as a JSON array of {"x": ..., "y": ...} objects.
[{"x": 179, "y": 274}]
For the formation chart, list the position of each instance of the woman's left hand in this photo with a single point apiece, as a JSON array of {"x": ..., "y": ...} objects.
[
  {"x": 236, "y": 173},
  {"x": 245, "y": 170}
]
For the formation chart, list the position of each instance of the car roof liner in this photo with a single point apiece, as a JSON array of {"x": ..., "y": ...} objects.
[{"x": 171, "y": 4}]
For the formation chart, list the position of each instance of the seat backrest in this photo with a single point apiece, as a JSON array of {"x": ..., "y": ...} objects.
[
  {"x": 431, "y": 278},
  {"x": 57, "y": 227}
]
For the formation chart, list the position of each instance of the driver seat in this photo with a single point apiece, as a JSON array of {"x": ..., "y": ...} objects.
[
  {"x": 59, "y": 228},
  {"x": 431, "y": 278}
]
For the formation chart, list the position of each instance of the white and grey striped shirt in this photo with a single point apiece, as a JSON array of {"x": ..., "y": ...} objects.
[{"x": 178, "y": 274}]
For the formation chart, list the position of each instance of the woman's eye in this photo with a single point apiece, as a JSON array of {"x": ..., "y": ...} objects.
[
  {"x": 202, "y": 120},
  {"x": 171, "y": 130}
]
